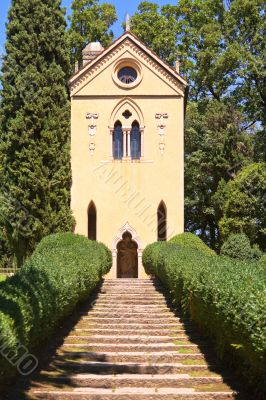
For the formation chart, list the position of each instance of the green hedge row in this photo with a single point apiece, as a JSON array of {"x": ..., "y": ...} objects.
[
  {"x": 224, "y": 297},
  {"x": 262, "y": 261},
  {"x": 63, "y": 271},
  {"x": 192, "y": 241}
]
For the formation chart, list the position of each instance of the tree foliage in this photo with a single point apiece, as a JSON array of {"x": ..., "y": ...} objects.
[
  {"x": 244, "y": 204},
  {"x": 89, "y": 22},
  {"x": 157, "y": 28},
  {"x": 215, "y": 149},
  {"x": 35, "y": 131},
  {"x": 221, "y": 49},
  {"x": 238, "y": 246}
]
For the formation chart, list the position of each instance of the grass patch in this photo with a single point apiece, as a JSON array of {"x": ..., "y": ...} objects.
[
  {"x": 202, "y": 373},
  {"x": 213, "y": 387},
  {"x": 184, "y": 350},
  {"x": 180, "y": 342},
  {"x": 192, "y": 361}
]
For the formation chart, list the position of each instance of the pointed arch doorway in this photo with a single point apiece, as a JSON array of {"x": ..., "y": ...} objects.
[
  {"x": 127, "y": 253},
  {"x": 127, "y": 257}
]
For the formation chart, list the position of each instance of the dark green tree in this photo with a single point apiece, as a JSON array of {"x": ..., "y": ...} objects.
[
  {"x": 206, "y": 60},
  {"x": 216, "y": 148},
  {"x": 245, "y": 27},
  {"x": 221, "y": 49},
  {"x": 35, "y": 126},
  {"x": 89, "y": 22},
  {"x": 238, "y": 246},
  {"x": 244, "y": 204},
  {"x": 220, "y": 45},
  {"x": 157, "y": 27}
]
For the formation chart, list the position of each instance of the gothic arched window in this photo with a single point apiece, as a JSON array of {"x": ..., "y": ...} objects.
[
  {"x": 135, "y": 141},
  {"x": 118, "y": 141},
  {"x": 161, "y": 222},
  {"x": 92, "y": 221}
]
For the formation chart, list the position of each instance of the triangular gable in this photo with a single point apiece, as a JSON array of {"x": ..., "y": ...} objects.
[{"x": 79, "y": 79}]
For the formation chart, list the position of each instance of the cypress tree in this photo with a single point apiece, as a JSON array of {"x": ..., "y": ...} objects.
[{"x": 35, "y": 131}]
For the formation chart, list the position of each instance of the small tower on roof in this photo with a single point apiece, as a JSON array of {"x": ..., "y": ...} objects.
[{"x": 91, "y": 51}]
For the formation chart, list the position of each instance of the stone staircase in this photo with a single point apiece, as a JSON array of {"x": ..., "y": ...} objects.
[{"x": 129, "y": 344}]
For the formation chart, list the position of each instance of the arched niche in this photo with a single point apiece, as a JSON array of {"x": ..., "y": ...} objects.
[
  {"x": 125, "y": 230},
  {"x": 162, "y": 222},
  {"x": 127, "y": 257},
  {"x": 92, "y": 221}
]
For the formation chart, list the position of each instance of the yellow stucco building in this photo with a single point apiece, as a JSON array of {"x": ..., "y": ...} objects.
[{"x": 127, "y": 150}]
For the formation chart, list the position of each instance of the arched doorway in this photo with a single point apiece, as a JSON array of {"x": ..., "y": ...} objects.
[{"x": 127, "y": 257}]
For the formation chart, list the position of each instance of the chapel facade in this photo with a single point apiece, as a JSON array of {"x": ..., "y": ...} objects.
[{"x": 127, "y": 150}]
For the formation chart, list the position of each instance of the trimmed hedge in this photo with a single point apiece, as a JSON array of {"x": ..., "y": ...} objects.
[
  {"x": 262, "y": 261},
  {"x": 225, "y": 298},
  {"x": 63, "y": 270},
  {"x": 188, "y": 239}
]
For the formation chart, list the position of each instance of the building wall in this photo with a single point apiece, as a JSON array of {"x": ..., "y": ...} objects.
[{"x": 127, "y": 193}]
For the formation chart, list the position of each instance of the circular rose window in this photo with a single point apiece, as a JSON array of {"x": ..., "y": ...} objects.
[{"x": 127, "y": 75}]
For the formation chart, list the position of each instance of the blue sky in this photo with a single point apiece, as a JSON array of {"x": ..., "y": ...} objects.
[{"x": 122, "y": 7}]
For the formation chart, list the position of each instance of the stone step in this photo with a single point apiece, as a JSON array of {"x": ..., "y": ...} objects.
[
  {"x": 137, "y": 283},
  {"x": 131, "y": 290},
  {"x": 140, "y": 332},
  {"x": 150, "y": 286},
  {"x": 129, "y": 380},
  {"x": 133, "y": 300},
  {"x": 131, "y": 394},
  {"x": 132, "y": 347},
  {"x": 151, "y": 308},
  {"x": 163, "y": 311},
  {"x": 131, "y": 296},
  {"x": 132, "y": 368},
  {"x": 154, "y": 358},
  {"x": 129, "y": 285},
  {"x": 130, "y": 344},
  {"x": 126, "y": 311},
  {"x": 125, "y": 338},
  {"x": 125, "y": 302},
  {"x": 129, "y": 306},
  {"x": 128, "y": 314},
  {"x": 125, "y": 281},
  {"x": 85, "y": 323},
  {"x": 149, "y": 305},
  {"x": 141, "y": 320},
  {"x": 134, "y": 291}
]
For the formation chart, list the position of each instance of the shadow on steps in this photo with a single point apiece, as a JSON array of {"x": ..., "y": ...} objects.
[{"x": 56, "y": 364}]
